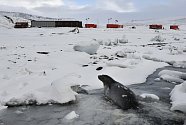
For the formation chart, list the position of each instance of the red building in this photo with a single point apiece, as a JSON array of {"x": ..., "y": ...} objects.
[
  {"x": 114, "y": 26},
  {"x": 155, "y": 26},
  {"x": 21, "y": 25},
  {"x": 174, "y": 27},
  {"x": 90, "y": 26}
]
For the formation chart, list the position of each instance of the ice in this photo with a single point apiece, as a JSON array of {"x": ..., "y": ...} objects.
[
  {"x": 172, "y": 76},
  {"x": 71, "y": 115},
  {"x": 56, "y": 92},
  {"x": 131, "y": 71},
  {"x": 178, "y": 95},
  {"x": 181, "y": 64},
  {"x": 172, "y": 79},
  {"x": 123, "y": 40},
  {"x": 152, "y": 58},
  {"x": 175, "y": 51},
  {"x": 151, "y": 96},
  {"x": 121, "y": 54},
  {"x": 2, "y": 107},
  {"x": 90, "y": 49},
  {"x": 113, "y": 42}
]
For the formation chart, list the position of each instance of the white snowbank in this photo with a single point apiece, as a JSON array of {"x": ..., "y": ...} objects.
[
  {"x": 57, "y": 92},
  {"x": 181, "y": 64},
  {"x": 131, "y": 71},
  {"x": 178, "y": 97},
  {"x": 116, "y": 64},
  {"x": 152, "y": 58},
  {"x": 152, "y": 96},
  {"x": 172, "y": 76},
  {"x": 71, "y": 115},
  {"x": 90, "y": 49}
]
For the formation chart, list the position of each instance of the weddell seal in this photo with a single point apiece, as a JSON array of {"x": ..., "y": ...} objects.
[{"x": 118, "y": 93}]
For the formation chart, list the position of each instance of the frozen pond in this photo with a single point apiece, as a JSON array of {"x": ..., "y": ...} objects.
[{"x": 93, "y": 109}]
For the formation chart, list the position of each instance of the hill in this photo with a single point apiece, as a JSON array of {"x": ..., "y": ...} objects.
[{"x": 7, "y": 19}]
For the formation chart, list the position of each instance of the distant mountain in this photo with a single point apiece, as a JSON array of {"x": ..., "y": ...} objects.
[{"x": 8, "y": 19}]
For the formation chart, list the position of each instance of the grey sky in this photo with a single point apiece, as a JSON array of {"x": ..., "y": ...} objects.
[{"x": 101, "y": 10}]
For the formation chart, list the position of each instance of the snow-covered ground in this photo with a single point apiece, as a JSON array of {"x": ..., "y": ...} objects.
[{"x": 39, "y": 65}]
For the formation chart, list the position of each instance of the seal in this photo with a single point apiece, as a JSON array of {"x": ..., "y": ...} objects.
[{"x": 118, "y": 93}]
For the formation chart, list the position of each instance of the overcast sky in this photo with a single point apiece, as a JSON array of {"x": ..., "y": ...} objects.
[{"x": 99, "y": 10}]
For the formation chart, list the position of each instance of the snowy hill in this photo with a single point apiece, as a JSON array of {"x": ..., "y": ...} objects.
[
  {"x": 7, "y": 19},
  {"x": 166, "y": 21},
  {"x": 180, "y": 21}
]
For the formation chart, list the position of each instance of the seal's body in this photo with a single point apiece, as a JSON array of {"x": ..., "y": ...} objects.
[{"x": 118, "y": 93}]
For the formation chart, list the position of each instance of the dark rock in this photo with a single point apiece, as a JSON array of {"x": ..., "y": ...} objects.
[
  {"x": 99, "y": 68},
  {"x": 84, "y": 65},
  {"x": 94, "y": 63},
  {"x": 43, "y": 53}
]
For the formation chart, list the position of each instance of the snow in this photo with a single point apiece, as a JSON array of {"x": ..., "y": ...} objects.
[
  {"x": 178, "y": 95},
  {"x": 152, "y": 96},
  {"x": 181, "y": 64},
  {"x": 121, "y": 54},
  {"x": 57, "y": 92},
  {"x": 2, "y": 107},
  {"x": 127, "y": 55},
  {"x": 172, "y": 76},
  {"x": 90, "y": 49},
  {"x": 131, "y": 71},
  {"x": 71, "y": 115},
  {"x": 158, "y": 39}
]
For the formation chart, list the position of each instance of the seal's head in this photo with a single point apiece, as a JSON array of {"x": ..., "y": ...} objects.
[{"x": 107, "y": 80}]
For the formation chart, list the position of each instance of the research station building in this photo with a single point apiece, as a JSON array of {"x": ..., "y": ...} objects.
[
  {"x": 155, "y": 26},
  {"x": 40, "y": 24},
  {"x": 21, "y": 25}
]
